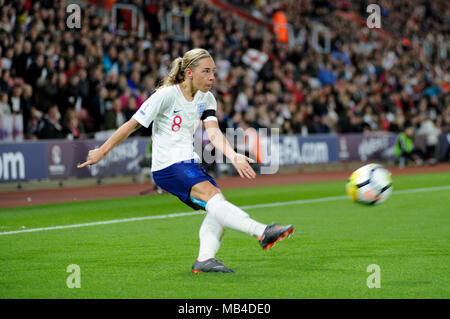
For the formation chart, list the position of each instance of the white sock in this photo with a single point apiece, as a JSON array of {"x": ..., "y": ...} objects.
[
  {"x": 231, "y": 216},
  {"x": 211, "y": 233}
]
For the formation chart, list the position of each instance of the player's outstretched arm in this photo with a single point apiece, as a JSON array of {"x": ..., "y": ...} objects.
[
  {"x": 95, "y": 155},
  {"x": 239, "y": 161}
]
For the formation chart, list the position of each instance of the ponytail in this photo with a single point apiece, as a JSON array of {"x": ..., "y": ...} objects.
[
  {"x": 179, "y": 65},
  {"x": 176, "y": 74}
]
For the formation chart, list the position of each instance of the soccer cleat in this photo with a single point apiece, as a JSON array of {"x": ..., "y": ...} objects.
[
  {"x": 273, "y": 233},
  {"x": 210, "y": 265}
]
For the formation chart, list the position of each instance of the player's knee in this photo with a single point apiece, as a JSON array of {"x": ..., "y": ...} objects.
[
  {"x": 204, "y": 191},
  {"x": 213, "y": 192}
]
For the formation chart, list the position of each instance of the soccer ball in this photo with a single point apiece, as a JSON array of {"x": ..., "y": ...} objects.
[{"x": 370, "y": 184}]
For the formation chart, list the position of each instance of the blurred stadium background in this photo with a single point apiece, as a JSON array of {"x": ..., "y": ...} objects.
[{"x": 337, "y": 90}]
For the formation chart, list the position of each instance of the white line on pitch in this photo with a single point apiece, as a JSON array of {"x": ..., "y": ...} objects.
[{"x": 295, "y": 202}]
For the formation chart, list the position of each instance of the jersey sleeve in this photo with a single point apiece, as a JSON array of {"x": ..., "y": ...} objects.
[
  {"x": 209, "y": 114},
  {"x": 150, "y": 108}
]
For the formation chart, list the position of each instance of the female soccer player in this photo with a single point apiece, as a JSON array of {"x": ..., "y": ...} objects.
[{"x": 176, "y": 109}]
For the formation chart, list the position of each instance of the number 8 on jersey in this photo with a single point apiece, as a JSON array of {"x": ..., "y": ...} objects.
[{"x": 176, "y": 123}]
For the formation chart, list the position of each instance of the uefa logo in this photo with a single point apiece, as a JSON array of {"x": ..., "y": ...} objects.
[
  {"x": 56, "y": 168},
  {"x": 56, "y": 154}
]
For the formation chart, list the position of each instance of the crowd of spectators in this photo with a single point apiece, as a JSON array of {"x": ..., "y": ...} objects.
[{"x": 73, "y": 82}]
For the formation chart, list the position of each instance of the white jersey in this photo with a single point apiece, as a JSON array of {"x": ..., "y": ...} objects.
[{"x": 175, "y": 121}]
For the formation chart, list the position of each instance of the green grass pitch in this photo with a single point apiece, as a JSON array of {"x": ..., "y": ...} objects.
[{"x": 327, "y": 257}]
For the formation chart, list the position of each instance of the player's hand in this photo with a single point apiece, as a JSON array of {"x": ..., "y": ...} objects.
[
  {"x": 94, "y": 156},
  {"x": 240, "y": 162}
]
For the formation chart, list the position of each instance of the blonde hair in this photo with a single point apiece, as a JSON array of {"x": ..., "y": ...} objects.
[{"x": 179, "y": 66}]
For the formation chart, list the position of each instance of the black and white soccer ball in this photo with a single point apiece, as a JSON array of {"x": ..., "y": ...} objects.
[{"x": 370, "y": 184}]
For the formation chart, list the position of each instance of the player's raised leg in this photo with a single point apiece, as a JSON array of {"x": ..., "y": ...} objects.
[
  {"x": 227, "y": 214},
  {"x": 230, "y": 216}
]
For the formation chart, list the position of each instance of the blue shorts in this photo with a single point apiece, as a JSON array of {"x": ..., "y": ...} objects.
[{"x": 179, "y": 178}]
